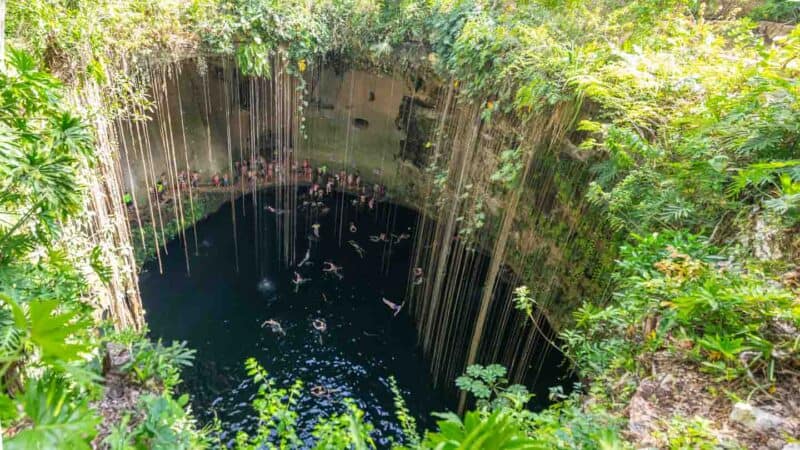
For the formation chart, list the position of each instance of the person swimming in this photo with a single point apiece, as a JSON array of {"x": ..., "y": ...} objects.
[
  {"x": 400, "y": 237},
  {"x": 319, "y": 391},
  {"x": 273, "y": 210},
  {"x": 418, "y": 276},
  {"x": 332, "y": 268},
  {"x": 306, "y": 258},
  {"x": 357, "y": 248},
  {"x": 319, "y": 325},
  {"x": 379, "y": 238},
  {"x": 393, "y": 306},
  {"x": 315, "y": 227},
  {"x": 275, "y": 326},
  {"x": 298, "y": 279}
]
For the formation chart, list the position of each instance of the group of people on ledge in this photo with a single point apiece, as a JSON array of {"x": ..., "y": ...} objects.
[{"x": 257, "y": 170}]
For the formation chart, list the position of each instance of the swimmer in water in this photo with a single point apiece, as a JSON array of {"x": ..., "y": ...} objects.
[
  {"x": 275, "y": 326},
  {"x": 353, "y": 228},
  {"x": 306, "y": 258},
  {"x": 315, "y": 227},
  {"x": 319, "y": 325},
  {"x": 418, "y": 276},
  {"x": 357, "y": 248},
  {"x": 298, "y": 279},
  {"x": 273, "y": 210},
  {"x": 400, "y": 237},
  {"x": 379, "y": 238},
  {"x": 393, "y": 306},
  {"x": 332, "y": 268},
  {"x": 319, "y": 391}
]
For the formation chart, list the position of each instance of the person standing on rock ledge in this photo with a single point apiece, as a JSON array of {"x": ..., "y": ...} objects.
[{"x": 127, "y": 198}]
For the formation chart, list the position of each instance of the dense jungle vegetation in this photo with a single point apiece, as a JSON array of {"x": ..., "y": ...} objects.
[{"x": 689, "y": 119}]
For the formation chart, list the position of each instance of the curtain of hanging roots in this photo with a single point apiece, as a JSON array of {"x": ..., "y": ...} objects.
[
  {"x": 187, "y": 166},
  {"x": 463, "y": 308},
  {"x": 105, "y": 224},
  {"x": 454, "y": 329}
]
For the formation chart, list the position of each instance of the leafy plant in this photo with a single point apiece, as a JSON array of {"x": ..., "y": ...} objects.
[
  {"x": 153, "y": 363},
  {"x": 497, "y": 431},
  {"x": 482, "y": 382},
  {"x": 510, "y": 168},
  {"x": 407, "y": 422},
  {"x": 60, "y": 419},
  {"x": 344, "y": 431}
]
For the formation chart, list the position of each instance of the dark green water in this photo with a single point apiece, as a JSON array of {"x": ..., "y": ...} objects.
[{"x": 219, "y": 312}]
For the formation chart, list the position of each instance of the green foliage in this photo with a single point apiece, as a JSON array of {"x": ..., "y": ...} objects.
[
  {"x": 688, "y": 126},
  {"x": 787, "y": 11},
  {"x": 502, "y": 419},
  {"x": 673, "y": 289},
  {"x": 726, "y": 143},
  {"x": 524, "y": 301},
  {"x": 274, "y": 406},
  {"x": 83, "y": 38},
  {"x": 510, "y": 169},
  {"x": 60, "y": 418},
  {"x": 98, "y": 265},
  {"x": 165, "y": 425},
  {"x": 154, "y": 364},
  {"x": 46, "y": 331},
  {"x": 43, "y": 146},
  {"x": 567, "y": 423},
  {"x": 482, "y": 382},
  {"x": 344, "y": 431},
  {"x": 694, "y": 433},
  {"x": 264, "y": 28},
  {"x": 55, "y": 335},
  {"x": 45, "y": 327},
  {"x": 407, "y": 422},
  {"x": 161, "y": 428},
  {"x": 498, "y": 430}
]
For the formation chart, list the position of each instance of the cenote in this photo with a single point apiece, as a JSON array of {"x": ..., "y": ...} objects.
[{"x": 220, "y": 311}]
